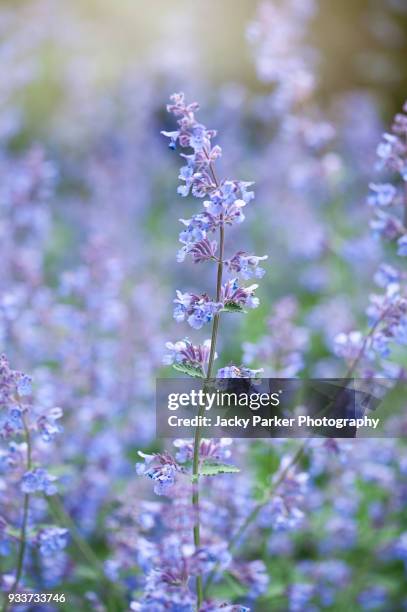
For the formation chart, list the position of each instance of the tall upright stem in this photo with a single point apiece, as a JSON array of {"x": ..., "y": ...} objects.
[
  {"x": 24, "y": 523},
  {"x": 197, "y": 437}
]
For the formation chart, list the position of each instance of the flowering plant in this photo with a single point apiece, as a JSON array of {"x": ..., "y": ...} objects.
[
  {"x": 20, "y": 422},
  {"x": 222, "y": 208}
]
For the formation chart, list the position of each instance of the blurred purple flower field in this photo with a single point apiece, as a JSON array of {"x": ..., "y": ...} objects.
[{"x": 137, "y": 243}]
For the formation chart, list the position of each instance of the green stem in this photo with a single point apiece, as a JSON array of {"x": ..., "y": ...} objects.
[
  {"x": 197, "y": 437},
  {"x": 23, "y": 531},
  {"x": 195, "y": 504}
]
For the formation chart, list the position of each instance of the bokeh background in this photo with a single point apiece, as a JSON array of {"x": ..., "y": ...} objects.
[{"x": 88, "y": 236}]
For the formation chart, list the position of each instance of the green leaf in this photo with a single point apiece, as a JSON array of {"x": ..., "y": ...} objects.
[
  {"x": 191, "y": 370},
  {"x": 209, "y": 467},
  {"x": 233, "y": 307}
]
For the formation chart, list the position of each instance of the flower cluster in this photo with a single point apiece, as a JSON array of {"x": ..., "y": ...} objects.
[
  {"x": 196, "y": 309},
  {"x": 170, "y": 561},
  {"x": 200, "y": 309},
  {"x": 38, "y": 480},
  {"x": 19, "y": 425},
  {"x": 52, "y": 540},
  {"x": 389, "y": 200},
  {"x": 223, "y": 204},
  {"x": 387, "y": 311}
]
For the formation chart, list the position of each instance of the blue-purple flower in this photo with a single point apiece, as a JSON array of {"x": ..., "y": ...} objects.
[
  {"x": 161, "y": 468},
  {"x": 233, "y": 294},
  {"x": 195, "y": 309},
  {"x": 247, "y": 266},
  {"x": 184, "y": 352},
  {"x": 383, "y": 194},
  {"x": 38, "y": 481},
  {"x": 52, "y": 540}
]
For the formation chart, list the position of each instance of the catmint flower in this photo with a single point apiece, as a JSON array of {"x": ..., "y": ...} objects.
[
  {"x": 204, "y": 250},
  {"x": 196, "y": 231},
  {"x": 196, "y": 310},
  {"x": 380, "y": 345},
  {"x": 191, "y": 134},
  {"x": 15, "y": 417},
  {"x": 246, "y": 265},
  {"x": 385, "y": 148},
  {"x": 392, "y": 151},
  {"x": 38, "y": 480},
  {"x": 8, "y": 382},
  {"x": 208, "y": 449},
  {"x": 393, "y": 155},
  {"x": 386, "y": 275},
  {"x": 227, "y": 201},
  {"x": 52, "y": 540},
  {"x": 348, "y": 346},
  {"x": 48, "y": 426},
  {"x": 24, "y": 385},
  {"x": 389, "y": 313},
  {"x": 161, "y": 468},
  {"x": 383, "y": 194},
  {"x": 232, "y": 295},
  {"x": 166, "y": 589},
  {"x": 185, "y": 352},
  {"x": 386, "y": 226}
]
